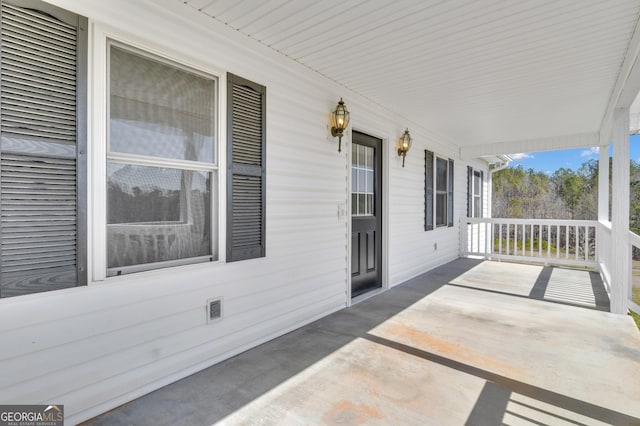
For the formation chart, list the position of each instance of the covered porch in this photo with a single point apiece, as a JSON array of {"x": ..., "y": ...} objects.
[
  {"x": 448, "y": 339},
  {"x": 470, "y": 342}
]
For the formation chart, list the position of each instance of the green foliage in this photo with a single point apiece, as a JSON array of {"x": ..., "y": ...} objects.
[
  {"x": 565, "y": 194},
  {"x": 571, "y": 187},
  {"x": 520, "y": 246},
  {"x": 518, "y": 193}
]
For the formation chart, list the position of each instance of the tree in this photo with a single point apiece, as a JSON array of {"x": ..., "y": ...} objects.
[{"x": 567, "y": 194}]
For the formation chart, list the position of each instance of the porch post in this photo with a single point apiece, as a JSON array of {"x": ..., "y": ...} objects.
[
  {"x": 489, "y": 193},
  {"x": 603, "y": 184},
  {"x": 621, "y": 252}
]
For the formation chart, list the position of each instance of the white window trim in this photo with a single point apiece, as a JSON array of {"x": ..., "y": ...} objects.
[{"x": 97, "y": 150}]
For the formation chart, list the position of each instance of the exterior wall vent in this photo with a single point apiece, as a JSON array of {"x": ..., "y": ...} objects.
[{"x": 214, "y": 310}]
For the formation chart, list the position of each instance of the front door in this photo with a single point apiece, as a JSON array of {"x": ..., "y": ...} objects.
[{"x": 366, "y": 213}]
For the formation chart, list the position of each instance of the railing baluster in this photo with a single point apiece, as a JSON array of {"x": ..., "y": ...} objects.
[
  {"x": 557, "y": 241},
  {"x": 539, "y": 240},
  {"x": 586, "y": 245},
  {"x": 531, "y": 242},
  {"x": 508, "y": 237},
  {"x": 500, "y": 238},
  {"x": 548, "y": 241},
  {"x": 566, "y": 247},
  {"x": 577, "y": 243},
  {"x": 488, "y": 231}
]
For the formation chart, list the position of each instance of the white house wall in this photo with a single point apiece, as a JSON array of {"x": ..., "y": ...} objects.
[{"x": 95, "y": 347}]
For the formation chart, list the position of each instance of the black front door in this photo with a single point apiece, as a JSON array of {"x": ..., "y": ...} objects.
[{"x": 366, "y": 213}]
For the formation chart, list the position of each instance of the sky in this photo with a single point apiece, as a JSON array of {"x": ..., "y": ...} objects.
[{"x": 550, "y": 161}]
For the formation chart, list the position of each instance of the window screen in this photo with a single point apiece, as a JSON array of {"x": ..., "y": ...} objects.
[
  {"x": 161, "y": 165},
  {"x": 438, "y": 204},
  {"x": 159, "y": 109}
]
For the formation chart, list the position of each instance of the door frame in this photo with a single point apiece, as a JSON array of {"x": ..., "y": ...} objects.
[{"x": 385, "y": 211}]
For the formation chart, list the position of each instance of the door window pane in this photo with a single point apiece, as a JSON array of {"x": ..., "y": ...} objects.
[{"x": 363, "y": 177}]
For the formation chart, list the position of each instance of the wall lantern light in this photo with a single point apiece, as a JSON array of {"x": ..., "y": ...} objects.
[
  {"x": 339, "y": 122},
  {"x": 403, "y": 144}
]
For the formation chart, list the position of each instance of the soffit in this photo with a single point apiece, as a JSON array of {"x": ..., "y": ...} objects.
[{"x": 475, "y": 71}]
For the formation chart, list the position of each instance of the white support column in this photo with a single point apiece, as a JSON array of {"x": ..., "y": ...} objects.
[
  {"x": 603, "y": 184},
  {"x": 621, "y": 252}
]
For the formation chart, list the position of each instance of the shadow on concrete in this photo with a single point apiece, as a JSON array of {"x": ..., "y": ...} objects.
[
  {"x": 216, "y": 392},
  {"x": 490, "y": 407},
  {"x": 599, "y": 292},
  {"x": 493, "y": 401},
  {"x": 541, "y": 285}
]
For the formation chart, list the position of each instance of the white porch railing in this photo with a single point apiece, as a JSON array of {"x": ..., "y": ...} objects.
[{"x": 548, "y": 241}]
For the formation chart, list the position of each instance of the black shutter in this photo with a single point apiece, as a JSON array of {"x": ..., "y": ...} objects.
[
  {"x": 246, "y": 145},
  {"x": 42, "y": 148},
  {"x": 469, "y": 191},
  {"x": 428, "y": 190},
  {"x": 450, "y": 194}
]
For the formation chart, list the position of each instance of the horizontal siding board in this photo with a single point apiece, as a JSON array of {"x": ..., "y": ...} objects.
[
  {"x": 115, "y": 321},
  {"x": 200, "y": 356},
  {"x": 168, "y": 336}
]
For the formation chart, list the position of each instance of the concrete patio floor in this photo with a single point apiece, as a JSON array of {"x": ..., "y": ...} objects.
[{"x": 471, "y": 342}]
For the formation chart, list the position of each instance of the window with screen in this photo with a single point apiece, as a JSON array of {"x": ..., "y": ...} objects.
[
  {"x": 161, "y": 162},
  {"x": 474, "y": 192},
  {"x": 441, "y": 191},
  {"x": 438, "y": 191}
]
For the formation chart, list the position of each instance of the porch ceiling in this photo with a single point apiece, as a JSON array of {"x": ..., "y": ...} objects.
[{"x": 476, "y": 71}]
